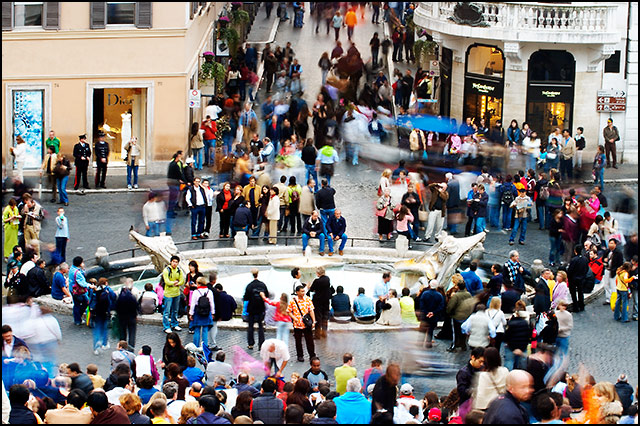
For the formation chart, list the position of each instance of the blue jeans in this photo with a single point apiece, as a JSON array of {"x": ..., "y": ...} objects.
[
  {"x": 236, "y": 229},
  {"x": 326, "y": 214},
  {"x": 511, "y": 360},
  {"x": 283, "y": 331},
  {"x": 622, "y": 301},
  {"x": 554, "y": 250},
  {"x": 600, "y": 178},
  {"x": 321, "y": 237},
  {"x": 634, "y": 303},
  {"x": 481, "y": 224},
  {"x": 197, "y": 220},
  {"x": 62, "y": 189},
  {"x": 506, "y": 216},
  {"x": 197, "y": 156},
  {"x": 154, "y": 229},
  {"x": 133, "y": 169},
  {"x": 311, "y": 173},
  {"x": 530, "y": 162},
  {"x": 562, "y": 343},
  {"x": 100, "y": 337},
  {"x": 79, "y": 306},
  {"x": 208, "y": 144},
  {"x": 205, "y": 335},
  {"x": 494, "y": 216},
  {"x": 521, "y": 223},
  {"x": 343, "y": 241},
  {"x": 541, "y": 216},
  {"x": 170, "y": 312}
]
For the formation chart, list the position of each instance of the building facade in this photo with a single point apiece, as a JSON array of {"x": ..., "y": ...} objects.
[
  {"x": 122, "y": 68},
  {"x": 539, "y": 63}
]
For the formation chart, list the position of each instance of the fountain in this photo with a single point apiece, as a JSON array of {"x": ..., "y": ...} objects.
[
  {"x": 307, "y": 264},
  {"x": 440, "y": 261}
]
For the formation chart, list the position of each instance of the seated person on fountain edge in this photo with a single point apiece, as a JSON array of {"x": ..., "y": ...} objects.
[
  {"x": 314, "y": 228},
  {"x": 340, "y": 304},
  {"x": 363, "y": 307}
]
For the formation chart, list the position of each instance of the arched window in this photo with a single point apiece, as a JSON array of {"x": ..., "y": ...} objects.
[
  {"x": 485, "y": 60},
  {"x": 552, "y": 65}
]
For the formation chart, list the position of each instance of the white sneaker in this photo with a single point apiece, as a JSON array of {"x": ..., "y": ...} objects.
[
  {"x": 96, "y": 352},
  {"x": 177, "y": 328},
  {"x": 167, "y": 330},
  {"x": 105, "y": 347},
  {"x": 135, "y": 186},
  {"x": 129, "y": 187}
]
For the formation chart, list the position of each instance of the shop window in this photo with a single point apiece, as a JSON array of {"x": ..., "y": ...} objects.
[
  {"x": 121, "y": 13},
  {"x": 28, "y": 14},
  {"x": 121, "y": 114},
  {"x": 613, "y": 63},
  {"x": 485, "y": 60},
  {"x": 552, "y": 65}
]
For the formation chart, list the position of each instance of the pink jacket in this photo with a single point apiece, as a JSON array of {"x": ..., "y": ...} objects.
[{"x": 403, "y": 225}]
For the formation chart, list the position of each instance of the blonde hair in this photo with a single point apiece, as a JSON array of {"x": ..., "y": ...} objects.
[
  {"x": 154, "y": 397},
  {"x": 607, "y": 390},
  {"x": 131, "y": 403},
  {"x": 189, "y": 410},
  {"x": 456, "y": 279},
  {"x": 563, "y": 276},
  {"x": 386, "y": 173},
  {"x": 496, "y": 303}
]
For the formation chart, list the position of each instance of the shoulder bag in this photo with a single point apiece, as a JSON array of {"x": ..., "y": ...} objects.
[{"x": 306, "y": 318}]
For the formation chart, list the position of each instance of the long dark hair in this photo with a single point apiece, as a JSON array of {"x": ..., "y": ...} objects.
[
  {"x": 403, "y": 212},
  {"x": 301, "y": 389},
  {"x": 195, "y": 127},
  {"x": 167, "y": 347}
]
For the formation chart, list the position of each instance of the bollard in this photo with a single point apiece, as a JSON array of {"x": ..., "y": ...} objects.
[
  {"x": 240, "y": 242},
  {"x": 402, "y": 245}
]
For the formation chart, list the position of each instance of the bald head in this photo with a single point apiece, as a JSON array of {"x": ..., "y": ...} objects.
[{"x": 520, "y": 384}]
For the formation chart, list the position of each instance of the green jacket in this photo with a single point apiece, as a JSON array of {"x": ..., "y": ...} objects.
[
  {"x": 55, "y": 143},
  {"x": 456, "y": 307},
  {"x": 171, "y": 275}
]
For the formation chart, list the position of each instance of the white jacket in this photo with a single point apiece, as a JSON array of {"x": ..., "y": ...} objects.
[
  {"x": 479, "y": 327},
  {"x": 273, "y": 208},
  {"x": 490, "y": 385},
  {"x": 20, "y": 152},
  {"x": 153, "y": 212}
]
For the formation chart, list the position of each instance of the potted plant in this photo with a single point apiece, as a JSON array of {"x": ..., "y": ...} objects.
[{"x": 211, "y": 76}]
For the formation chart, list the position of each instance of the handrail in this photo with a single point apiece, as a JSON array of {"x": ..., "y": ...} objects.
[{"x": 286, "y": 238}]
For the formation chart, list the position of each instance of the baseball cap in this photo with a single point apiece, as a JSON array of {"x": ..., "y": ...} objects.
[
  {"x": 406, "y": 389},
  {"x": 455, "y": 420},
  {"x": 190, "y": 160},
  {"x": 435, "y": 415}
]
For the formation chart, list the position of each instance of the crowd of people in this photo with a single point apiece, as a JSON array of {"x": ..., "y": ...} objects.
[{"x": 517, "y": 369}]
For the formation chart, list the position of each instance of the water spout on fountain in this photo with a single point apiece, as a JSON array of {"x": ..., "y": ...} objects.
[{"x": 307, "y": 254}]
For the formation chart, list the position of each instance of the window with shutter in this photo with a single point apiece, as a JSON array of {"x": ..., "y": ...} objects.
[
  {"x": 98, "y": 19},
  {"x": 7, "y": 16},
  {"x": 121, "y": 13},
  {"x": 143, "y": 14},
  {"x": 194, "y": 9},
  {"x": 27, "y": 14},
  {"x": 51, "y": 14}
]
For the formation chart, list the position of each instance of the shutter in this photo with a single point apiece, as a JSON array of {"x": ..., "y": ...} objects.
[
  {"x": 7, "y": 16},
  {"x": 143, "y": 14},
  {"x": 51, "y": 15},
  {"x": 98, "y": 19},
  {"x": 194, "y": 8}
]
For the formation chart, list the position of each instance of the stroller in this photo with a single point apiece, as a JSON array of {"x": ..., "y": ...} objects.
[{"x": 201, "y": 354}]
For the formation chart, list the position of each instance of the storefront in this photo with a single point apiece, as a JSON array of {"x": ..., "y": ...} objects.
[
  {"x": 28, "y": 121},
  {"x": 550, "y": 91},
  {"x": 484, "y": 84},
  {"x": 121, "y": 113}
]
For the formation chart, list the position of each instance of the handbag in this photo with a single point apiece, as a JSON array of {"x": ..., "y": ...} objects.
[
  {"x": 423, "y": 214},
  {"x": 306, "y": 318}
]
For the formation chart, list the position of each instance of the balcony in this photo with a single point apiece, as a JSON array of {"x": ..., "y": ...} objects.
[{"x": 580, "y": 23}]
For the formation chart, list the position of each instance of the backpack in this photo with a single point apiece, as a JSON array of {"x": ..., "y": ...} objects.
[
  {"x": 146, "y": 305},
  {"x": 507, "y": 197},
  {"x": 544, "y": 193},
  {"x": 295, "y": 196},
  {"x": 203, "y": 307},
  {"x": 589, "y": 282}
]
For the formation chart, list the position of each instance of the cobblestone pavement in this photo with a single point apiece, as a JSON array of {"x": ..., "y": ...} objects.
[
  {"x": 598, "y": 343},
  {"x": 104, "y": 220}
]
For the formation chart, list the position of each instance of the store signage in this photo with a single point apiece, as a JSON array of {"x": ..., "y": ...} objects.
[
  {"x": 483, "y": 88},
  {"x": 611, "y": 101},
  {"x": 113, "y": 99},
  {"x": 547, "y": 93},
  {"x": 194, "y": 98},
  {"x": 551, "y": 94}
]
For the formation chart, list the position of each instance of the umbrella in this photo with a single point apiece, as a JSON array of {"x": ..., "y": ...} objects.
[{"x": 427, "y": 123}]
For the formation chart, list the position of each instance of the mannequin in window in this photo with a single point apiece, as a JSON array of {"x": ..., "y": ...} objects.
[{"x": 125, "y": 135}]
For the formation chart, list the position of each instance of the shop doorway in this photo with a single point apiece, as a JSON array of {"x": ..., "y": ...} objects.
[{"x": 484, "y": 84}]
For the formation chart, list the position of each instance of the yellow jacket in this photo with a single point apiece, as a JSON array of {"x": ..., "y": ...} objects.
[
  {"x": 256, "y": 194},
  {"x": 622, "y": 281}
]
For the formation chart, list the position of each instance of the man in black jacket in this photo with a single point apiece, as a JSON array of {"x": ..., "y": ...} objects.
[
  {"x": 613, "y": 259},
  {"x": 102, "y": 159},
  {"x": 79, "y": 380},
  {"x": 507, "y": 408},
  {"x": 37, "y": 281},
  {"x": 175, "y": 177},
  {"x": 127, "y": 310},
  {"x": 242, "y": 218},
  {"x": 81, "y": 154},
  {"x": 255, "y": 308},
  {"x": 314, "y": 228},
  {"x": 465, "y": 376},
  {"x": 197, "y": 202},
  {"x": 225, "y": 306},
  {"x": 325, "y": 201},
  {"x": 336, "y": 227},
  {"x": 576, "y": 273},
  {"x": 322, "y": 292}
]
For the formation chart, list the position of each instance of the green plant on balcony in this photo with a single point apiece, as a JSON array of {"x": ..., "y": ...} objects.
[
  {"x": 423, "y": 49},
  {"x": 239, "y": 17},
  {"x": 212, "y": 71},
  {"x": 231, "y": 37}
]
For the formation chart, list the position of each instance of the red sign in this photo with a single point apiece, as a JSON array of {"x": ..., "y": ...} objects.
[
  {"x": 611, "y": 107},
  {"x": 611, "y": 100}
]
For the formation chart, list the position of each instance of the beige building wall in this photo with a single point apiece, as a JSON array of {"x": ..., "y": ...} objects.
[
  {"x": 68, "y": 62},
  {"x": 457, "y": 90}
]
